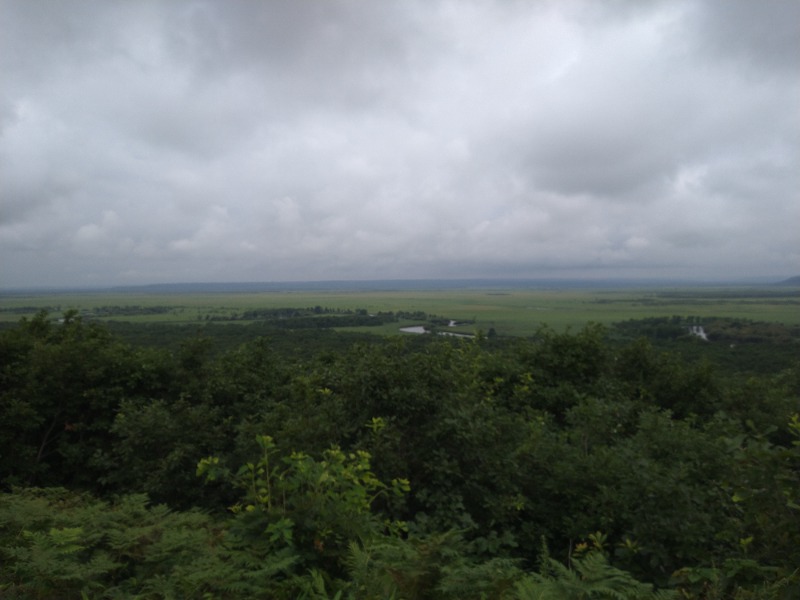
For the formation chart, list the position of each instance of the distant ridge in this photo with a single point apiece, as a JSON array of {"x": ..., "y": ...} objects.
[
  {"x": 390, "y": 285},
  {"x": 378, "y": 285}
]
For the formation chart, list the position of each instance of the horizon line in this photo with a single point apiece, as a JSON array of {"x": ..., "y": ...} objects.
[{"x": 427, "y": 283}]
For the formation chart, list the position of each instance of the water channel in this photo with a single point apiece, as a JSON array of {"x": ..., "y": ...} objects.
[{"x": 421, "y": 329}]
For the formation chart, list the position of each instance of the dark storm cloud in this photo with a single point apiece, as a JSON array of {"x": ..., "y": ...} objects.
[
  {"x": 762, "y": 35},
  {"x": 199, "y": 140}
]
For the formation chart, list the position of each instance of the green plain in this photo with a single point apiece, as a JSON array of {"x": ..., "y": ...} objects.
[{"x": 508, "y": 311}]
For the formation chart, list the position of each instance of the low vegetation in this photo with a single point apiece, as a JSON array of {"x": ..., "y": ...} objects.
[{"x": 510, "y": 312}]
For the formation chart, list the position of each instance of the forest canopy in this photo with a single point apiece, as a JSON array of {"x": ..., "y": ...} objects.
[{"x": 325, "y": 465}]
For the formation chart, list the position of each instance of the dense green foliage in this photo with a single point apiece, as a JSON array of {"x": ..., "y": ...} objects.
[
  {"x": 326, "y": 465},
  {"x": 735, "y": 345}
]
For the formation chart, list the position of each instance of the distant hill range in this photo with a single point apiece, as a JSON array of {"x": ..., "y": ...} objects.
[
  {"x": 384, "y": 285},
  {"x": 402, "y": 285}
]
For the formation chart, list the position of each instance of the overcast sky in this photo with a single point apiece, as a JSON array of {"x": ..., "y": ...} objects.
[{"x": 199, "y": 140}]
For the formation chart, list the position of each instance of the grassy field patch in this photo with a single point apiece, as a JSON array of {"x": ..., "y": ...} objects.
[{"x": 508, "y": 312}]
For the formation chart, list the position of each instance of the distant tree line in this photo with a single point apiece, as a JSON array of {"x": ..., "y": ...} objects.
[{"x": 319, "y": 317}]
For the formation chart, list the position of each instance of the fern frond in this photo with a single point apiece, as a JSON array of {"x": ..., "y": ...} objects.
[{"x": 592, "y": 578}]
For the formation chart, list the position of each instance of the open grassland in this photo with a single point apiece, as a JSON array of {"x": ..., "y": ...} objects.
[{"x": 508, "y": 311}]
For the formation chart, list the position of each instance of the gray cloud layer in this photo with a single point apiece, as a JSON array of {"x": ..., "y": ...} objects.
[{"x": 230, "y": 141}]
